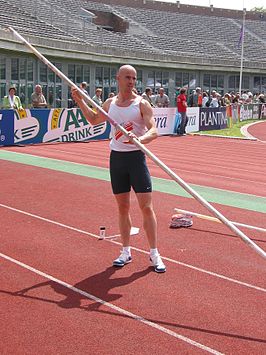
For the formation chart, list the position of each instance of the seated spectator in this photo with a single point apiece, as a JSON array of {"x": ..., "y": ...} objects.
[
  {"x": 147, "y": 95},
  {"x": 37, "y": 98},
  {"x": 11, "y": 101},
  {"x": 162, "y": 100},
  {"x": 97, "y": 98}
]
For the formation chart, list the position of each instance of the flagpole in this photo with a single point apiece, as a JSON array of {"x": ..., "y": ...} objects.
[{"x": 242, "y": 51}]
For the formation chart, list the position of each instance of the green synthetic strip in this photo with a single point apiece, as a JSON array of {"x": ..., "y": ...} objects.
[{"x": 214, "y": 195}]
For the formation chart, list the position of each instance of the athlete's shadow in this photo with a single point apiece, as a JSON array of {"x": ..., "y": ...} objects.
[{"x": 96, "y": 288}]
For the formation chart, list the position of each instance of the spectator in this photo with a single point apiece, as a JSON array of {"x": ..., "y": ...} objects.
[
  {"x": 214, "y": 99},
  {"x": 205, "y": 99},
  {"x": 97, "y": 98},
  {"x": 37, "y": 98},
  {"x": 196, "y": 100},
  {"x": 11, "y": 101},
  {"x": 128, "y": 167},
  {"x": 111, "y": 94},
  {"x": 162, "y": 100},
  {"x": 147, "y": 95},
  {"x": 227, "y": 99},
  {"x": 182, "y": 109},
  {"x": 83, "y": 87}
]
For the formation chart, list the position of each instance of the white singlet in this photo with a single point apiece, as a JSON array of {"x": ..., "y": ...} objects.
[{"x": 130, "y": 118}]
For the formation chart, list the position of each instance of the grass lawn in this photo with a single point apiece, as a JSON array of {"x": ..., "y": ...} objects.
[{"x": 234, "y": 131}]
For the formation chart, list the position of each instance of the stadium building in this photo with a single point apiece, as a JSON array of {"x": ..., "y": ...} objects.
[{"x": 170, "y": 44}]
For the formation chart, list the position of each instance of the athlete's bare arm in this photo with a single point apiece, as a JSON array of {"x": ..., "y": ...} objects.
[
  {"x": 147, "y": 114},
  {"x": 94, "y": 116}
]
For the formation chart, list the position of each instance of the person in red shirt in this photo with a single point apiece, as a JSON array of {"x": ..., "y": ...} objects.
[{"x": 181, "y": 102}]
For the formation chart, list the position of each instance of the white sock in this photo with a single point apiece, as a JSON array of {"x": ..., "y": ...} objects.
[
  {"x": 127, "y": 250},
  {"x": 154, "y": 252}
]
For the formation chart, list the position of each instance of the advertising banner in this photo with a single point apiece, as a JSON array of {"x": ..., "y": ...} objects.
[
  {"x": 6, "y": 127},
  {"x": 246, "y": 112},
  {"x": 193, "y": 119},
  {"x": 164, "y": 119},
  {"x": 212, "y": 119},
  {"x": 262, "y": 111},
  {"x": 48, "y": 126}
]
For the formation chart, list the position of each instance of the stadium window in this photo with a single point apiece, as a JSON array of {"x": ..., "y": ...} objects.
[
  {"x": 192, "y": 80},
  {"x": 213, "y": 81},
  {"x": 79, "y": 76},
  {"x": 165, "y": 80},
  {"x": 245, "y": 82},
  {"x": 99, "y": 77},
  {"x": 58, "y": 99},
  {"x": 2, "y": 89},
  {"x": 113, "y": 78},
  {"x": 158, "y": 79},
  {"x": 14, "y": 68},
  {"x": 22, "y": 68},
  {"x": 139, "y": 80},
  {"x": 2, "y": 69},
  {"x": 256, "y": 82},
  {"x": 185, "y": 80},
  {"x": 51, "y": 76},
  {"x": 22, "y": 93},
  {"x": 30, "y": 90},
  {"x": 151, "y": 80},
  {"x": 263, "y": 84},
  {"x": 106, "y": 77},
  {"x": 86, "y": 74},
  {"x": 231, "y": 82},
  {"x": 206, "y": 81},
  {"x": 30, "y": 70},
  {"x": 178, "y": 80},
  {"x": 71, "y": 72},
  {"x": 43, "y": 73},
  {"x": 59, "y": 66},
  {"x": 220, "y": 81}
]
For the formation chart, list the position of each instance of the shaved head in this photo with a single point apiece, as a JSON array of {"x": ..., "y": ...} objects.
[
  {"x": 126, "y": 78},
  {"x": 124, "y": 68}
]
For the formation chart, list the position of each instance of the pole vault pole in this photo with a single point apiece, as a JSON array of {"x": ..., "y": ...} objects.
[{"x": 158, "y": 162}]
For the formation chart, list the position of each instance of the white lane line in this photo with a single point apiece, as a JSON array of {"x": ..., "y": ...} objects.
[
  {"x": 220, "y": 276},
  {"x": 113, "y": 307}
]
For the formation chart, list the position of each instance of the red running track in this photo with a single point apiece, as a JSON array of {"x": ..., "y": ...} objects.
[
  {"x": 258, "y": 130},
  {"x": 213, "y": 292}
]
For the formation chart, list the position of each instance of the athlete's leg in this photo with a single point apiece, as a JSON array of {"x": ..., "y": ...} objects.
[
  {"x": 149, "y": 218},
  {"x": 123, "y": 203}
]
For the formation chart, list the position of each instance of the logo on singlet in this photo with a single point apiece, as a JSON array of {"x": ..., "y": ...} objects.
[{"x": 128, "y": 126}]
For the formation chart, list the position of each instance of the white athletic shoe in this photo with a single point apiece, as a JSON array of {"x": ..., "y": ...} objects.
[
  {"x": 158, "y": 263},
  {"x": 122, "y": 260}
]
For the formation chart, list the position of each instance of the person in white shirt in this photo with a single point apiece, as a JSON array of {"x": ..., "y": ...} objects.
[{"x": 128, "y": 167}]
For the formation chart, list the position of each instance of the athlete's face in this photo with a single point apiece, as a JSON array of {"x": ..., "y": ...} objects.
[{"x": 126, "y": 78}]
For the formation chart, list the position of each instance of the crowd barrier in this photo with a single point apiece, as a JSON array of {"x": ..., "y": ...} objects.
[{"x": 35, "y": 126}]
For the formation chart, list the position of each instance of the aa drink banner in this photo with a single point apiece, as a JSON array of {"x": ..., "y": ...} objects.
[{"x": 48, "y": 126}]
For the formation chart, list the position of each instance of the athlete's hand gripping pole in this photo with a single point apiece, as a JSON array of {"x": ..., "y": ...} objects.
[{"x": 175, "y": 177}]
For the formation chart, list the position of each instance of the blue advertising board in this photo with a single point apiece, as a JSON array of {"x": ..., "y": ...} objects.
[{"x": 48, "y": 126}]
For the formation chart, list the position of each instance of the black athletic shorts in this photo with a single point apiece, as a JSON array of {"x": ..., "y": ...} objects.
[{"x": 129, "y": 169}]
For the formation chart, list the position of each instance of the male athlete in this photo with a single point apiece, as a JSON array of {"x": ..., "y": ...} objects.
[{"x": 127, "y": 163}]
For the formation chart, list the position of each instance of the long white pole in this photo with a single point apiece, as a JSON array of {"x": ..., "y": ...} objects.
[
  {"x": 213, "y": 219},
  {"x": 242, "y": 51},
  {"x": 158, "y": 162}
]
